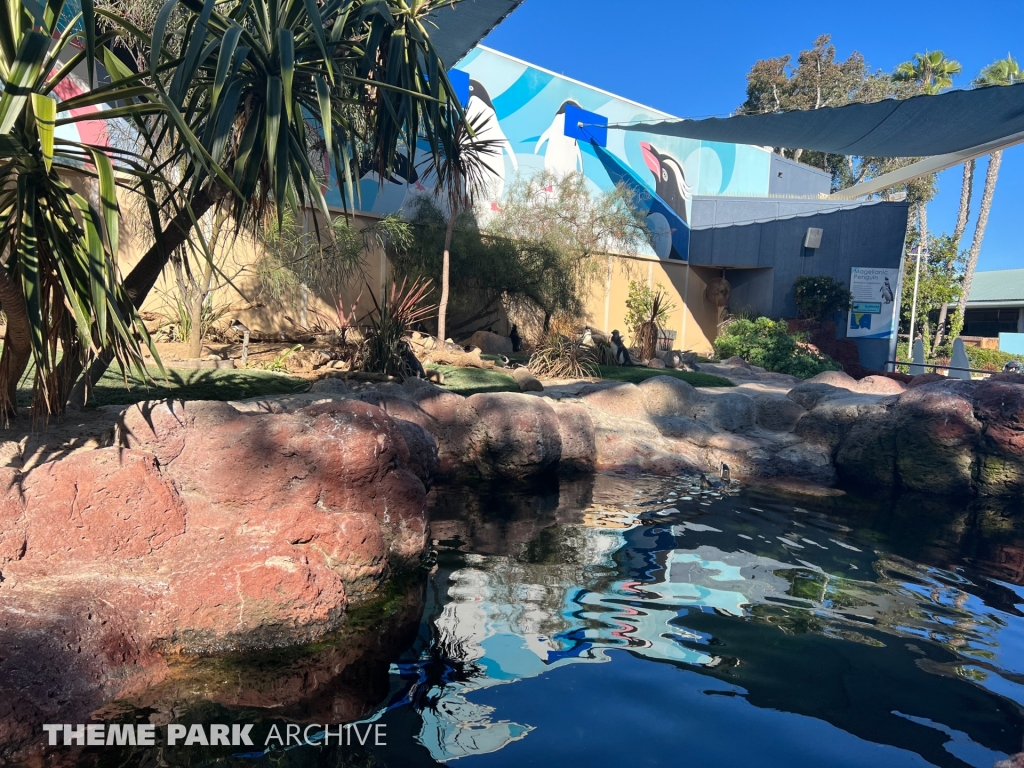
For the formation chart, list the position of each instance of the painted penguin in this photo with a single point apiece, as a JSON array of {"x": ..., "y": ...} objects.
[
  {"x": 670, "y": 179},
  {"x": 886, "y": 291},
  {"x": 480, "y": 114},
  {"x": 562, "y": 156}
]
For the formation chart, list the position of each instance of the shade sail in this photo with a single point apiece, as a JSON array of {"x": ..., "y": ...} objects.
[
  {"x": 917, "y": 127},
  {"x": 457, "y": 27}
]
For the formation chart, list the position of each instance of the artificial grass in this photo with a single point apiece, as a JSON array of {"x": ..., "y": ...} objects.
[
  {"x": 636, "y": 374},
  {"x": 470, "y": 381},
  {"x": 189, "y": 384}
]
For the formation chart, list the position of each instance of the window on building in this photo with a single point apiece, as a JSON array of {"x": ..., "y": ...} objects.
[{"x": 990, "y": 323}]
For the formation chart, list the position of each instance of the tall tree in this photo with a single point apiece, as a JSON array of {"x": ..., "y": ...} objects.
[
  {"x": 962, "y": 217},
  {"x": 462, "y": 172},
  {"x": 1001, "y": 72},
  {"x": 820, "y": 79}
]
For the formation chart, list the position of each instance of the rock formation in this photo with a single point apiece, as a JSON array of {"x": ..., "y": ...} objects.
[{"x": 199, "y": 529}]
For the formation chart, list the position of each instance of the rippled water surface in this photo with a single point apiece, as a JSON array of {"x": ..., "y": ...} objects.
[{"x": 611, "y": 621}]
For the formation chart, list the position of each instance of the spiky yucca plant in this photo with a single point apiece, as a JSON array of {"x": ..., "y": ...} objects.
[{"x": 391, "y": 321}]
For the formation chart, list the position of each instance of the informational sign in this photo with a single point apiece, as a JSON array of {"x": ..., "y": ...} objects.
[{"x": 874, "y": 299}]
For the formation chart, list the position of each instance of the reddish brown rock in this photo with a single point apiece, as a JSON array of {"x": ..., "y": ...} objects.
[
  {"x": 925, "y": 378},
  {"x": 937, "y": 436},
  {"x": 207, "y": 530},
  {"x": 668, "y": 396},
  {"x": 12, "y": 517},
  {"x": 880, "y": 385},
  {"x": 521, "y": 433},
  {"x": 100, "y": 505},
  {"x": 576, "y": 430},
  {"x": 1000, "y": 406}
]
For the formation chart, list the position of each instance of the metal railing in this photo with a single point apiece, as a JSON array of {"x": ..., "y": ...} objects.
[{"x": 933, "y": 366}]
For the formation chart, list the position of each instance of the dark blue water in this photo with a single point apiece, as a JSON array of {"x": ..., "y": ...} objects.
[{"x": 611, "y": 621}]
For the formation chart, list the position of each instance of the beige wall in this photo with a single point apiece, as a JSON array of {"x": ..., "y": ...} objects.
[{"x": 693, "y": 319}]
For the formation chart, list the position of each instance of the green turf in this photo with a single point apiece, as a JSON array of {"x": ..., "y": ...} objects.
[
  {"x": 636, "y": 374},
  {"x": 185, "y": 384},
  {"x": 470, "y": 381}
]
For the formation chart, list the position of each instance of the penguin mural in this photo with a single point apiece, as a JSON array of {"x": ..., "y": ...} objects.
[
  {"x": 480, "y": 112},
  {"x": 562, "y": 156},
  {"x": 387, "y": 194},
  {"x": 667, "y": 222},
  {"x": 670, "y": 179},
  {"x": 886, "y": 291}
]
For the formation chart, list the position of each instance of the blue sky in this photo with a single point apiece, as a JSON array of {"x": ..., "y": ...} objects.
[{"x": 691, "y": 58}]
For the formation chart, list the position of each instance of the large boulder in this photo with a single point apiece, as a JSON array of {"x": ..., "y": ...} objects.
[
  {"x": 490, "y": 343},
  {"x": 867, "y": 454},
  {"x": 668, "y": 396},
  {"x": 777, "y": 414},
  {"x": 204, "y": 529},
  {"x": 1000, "y": 406},
  {"x": 521, "y": 432},
  {"x": 937, "y": 437}
]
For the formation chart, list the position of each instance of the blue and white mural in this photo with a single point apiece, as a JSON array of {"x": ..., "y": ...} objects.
[{"x": 537, "y": 125}]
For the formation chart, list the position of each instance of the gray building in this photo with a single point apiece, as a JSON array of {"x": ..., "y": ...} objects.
[{"x": 758, "y": 244}]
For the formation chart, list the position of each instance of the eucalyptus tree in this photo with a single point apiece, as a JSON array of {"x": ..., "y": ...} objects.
[
  {"x": 58, "y": 280},
  {"x": 260, "y": 96},
  {"x": 1001, "y": 72}
]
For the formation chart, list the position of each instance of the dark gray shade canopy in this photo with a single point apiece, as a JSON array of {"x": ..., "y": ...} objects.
[
  {"x": 921, "y": 126},
  {"x": 460, "y": 26}
]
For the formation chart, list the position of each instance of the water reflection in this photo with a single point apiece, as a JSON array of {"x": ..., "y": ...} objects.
[
  {"x": 611, "y": 621},
  {"x": 899, "y": 629}
]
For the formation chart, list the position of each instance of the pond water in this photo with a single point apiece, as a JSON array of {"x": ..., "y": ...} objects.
[{"x": 609, "y": 621}]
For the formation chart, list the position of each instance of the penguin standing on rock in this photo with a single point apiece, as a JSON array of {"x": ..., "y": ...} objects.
[
  {"x": 619, "y": 349},
  {"x": 517, "y": 342}
]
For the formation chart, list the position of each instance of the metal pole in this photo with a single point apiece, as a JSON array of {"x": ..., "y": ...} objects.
[{"x": 913, "y": 306}]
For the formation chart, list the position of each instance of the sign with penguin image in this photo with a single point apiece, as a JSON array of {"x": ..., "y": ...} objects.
[{"x": 874, "y": 302}]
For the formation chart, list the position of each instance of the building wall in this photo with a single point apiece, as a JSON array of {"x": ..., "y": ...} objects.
[
  {"x": 790, "y": 178},
  {"x": 760, "y": 248},
  {"x": 522, "y": 108}
]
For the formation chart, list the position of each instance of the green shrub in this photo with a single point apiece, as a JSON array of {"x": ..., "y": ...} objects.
[
  {"x": 817, "y": 298},
  {"x": 769, "y": 344}
]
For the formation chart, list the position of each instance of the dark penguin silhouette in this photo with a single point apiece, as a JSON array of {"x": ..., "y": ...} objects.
[
  {"x": 886, "y": 291},
  {"x": 517, "y": 342},
  {"x": 670, "y": 179}
]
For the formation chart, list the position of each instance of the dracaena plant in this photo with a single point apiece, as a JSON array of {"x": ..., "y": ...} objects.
[
  {"x": 260, "y": 94},
  {"x": 59, "y": 287}
]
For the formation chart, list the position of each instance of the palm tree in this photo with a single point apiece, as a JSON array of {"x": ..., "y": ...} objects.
[
  {"x": 931, "y": 70},
  {"x": 963, "y": 214},
  {"x": 461, "y": 176},
  {"x": 58, "y": 280},
  {"x": 251, "y": 89},
  {"x": 1002, "y": 72}
]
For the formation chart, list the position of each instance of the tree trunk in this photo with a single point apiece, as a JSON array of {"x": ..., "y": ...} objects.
[
  {"x": 442, "y": 307},
  {"x": 963, "y": 215},
  {"x": 991, "y": 175},
  {"x": 143, "y": 277},
  {"x": 17, "y": 350}
]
